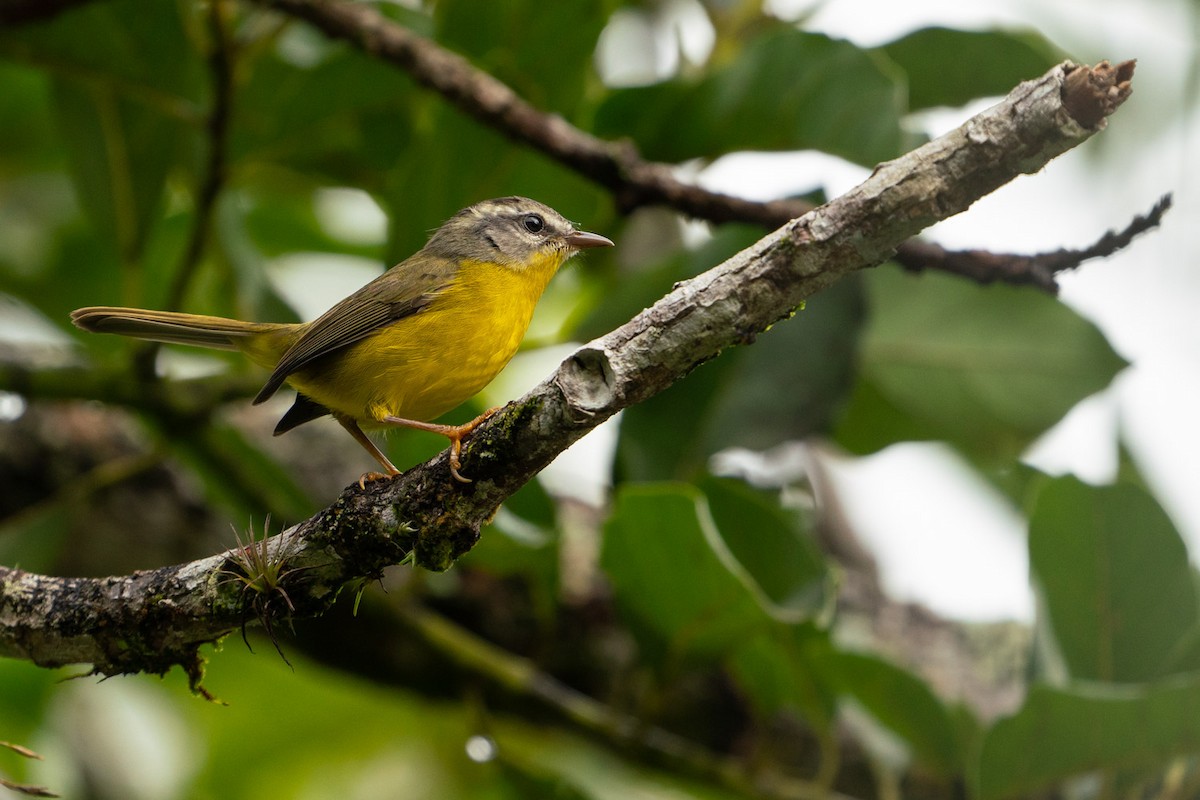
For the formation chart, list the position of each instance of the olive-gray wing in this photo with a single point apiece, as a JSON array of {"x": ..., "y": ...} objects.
[{"x": 387, "y": 299}]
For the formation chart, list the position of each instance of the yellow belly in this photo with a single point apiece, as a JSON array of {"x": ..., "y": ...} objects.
[{"x": 424, "y": 365}]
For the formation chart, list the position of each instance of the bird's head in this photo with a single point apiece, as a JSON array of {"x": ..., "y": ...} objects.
[{"x": 515, "y": 232}]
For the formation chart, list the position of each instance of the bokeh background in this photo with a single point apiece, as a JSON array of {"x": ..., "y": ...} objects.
[{"x": 927, "y": 539}]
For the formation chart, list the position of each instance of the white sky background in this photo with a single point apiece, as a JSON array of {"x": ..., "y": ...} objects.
[{"x": 941, "y": 535}]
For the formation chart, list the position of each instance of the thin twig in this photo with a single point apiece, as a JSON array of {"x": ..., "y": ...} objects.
[
  {"x": 1039, "y": 269},
  {"x": 220, "y": 64}
]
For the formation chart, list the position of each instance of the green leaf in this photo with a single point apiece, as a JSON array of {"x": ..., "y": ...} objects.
[
  {"x": 512, "y": 550},
  {"x": 800, "y": 670},
  {"x": 141, "y": 49},
  {"x": 26, "y": 690},
  {"x": 633, "y": 288},
  {"x": 27, "y": 134},
  {"x": 949, "y": 68},
  {"x": 795, "y": 377},
  {"x": 521, "y": 540},
  {"x": 985, "y": 368},
  {"x": 361, "y": 127},
  {"x": 672, "y": 574},
  {"x": 590, "y": 768},
  {"x": 787, "y": 90},
  {"x": 534, "y": 504},
  {"x": 1059, "y": 733},
  {"x": 1114, "y": 577},
  {"x": 547, "y": 48},
  {"x": 120, "y": 153},
  {"x": 772, "y": 544},
  {"x": 280, "y": 217},
  {"x": 61, "y": 285},
  {"x": 871, "y": 421},
  {"x": 662, "y": 438},
  {"x": 340, "y": 735},
  {"x": 785, "y": 670},
  {"x": 904, "y": 704},
  {"x": 519, "y": 781}
]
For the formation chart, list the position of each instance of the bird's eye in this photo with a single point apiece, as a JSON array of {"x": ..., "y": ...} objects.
[{"x": 533, "y": 223}]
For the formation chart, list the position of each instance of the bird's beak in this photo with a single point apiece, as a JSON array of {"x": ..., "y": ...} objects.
[{"x": 582, "y": 240}]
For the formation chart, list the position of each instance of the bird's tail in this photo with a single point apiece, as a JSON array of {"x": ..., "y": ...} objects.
[{"x": 253, "y": 338}]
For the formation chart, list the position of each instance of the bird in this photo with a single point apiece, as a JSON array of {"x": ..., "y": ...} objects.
[{"x": 414, "y": 343}]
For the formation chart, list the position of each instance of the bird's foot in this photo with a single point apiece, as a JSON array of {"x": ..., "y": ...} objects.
[{"x": 371, "y": 477}]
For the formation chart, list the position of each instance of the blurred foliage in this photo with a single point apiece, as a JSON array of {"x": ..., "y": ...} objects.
[
  {"x": 946, "y": 67},
  {"x": 103, "y": 127},
  {"x": 771, "y": 89},
  {"x": 1107, "y": 559},
  {"x": 988, "y": 369}
]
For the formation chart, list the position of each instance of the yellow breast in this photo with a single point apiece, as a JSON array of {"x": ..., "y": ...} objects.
[{"x": 424, "y": 365}]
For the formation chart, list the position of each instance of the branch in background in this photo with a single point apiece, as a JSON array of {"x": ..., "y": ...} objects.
[
  {"x": 635, "y": 182},
  {"x": 105, "y": 474},
  {"x": 186, "y": 399},
  {"x": 181, "y": 411},
  {"x": 1038, "y": 270},
  {"x": 220, "y": 65},
  {"x": 149, "y": 621},
  {"x": 522, "y": 676},
  {"x": 1108, "y": 244}
]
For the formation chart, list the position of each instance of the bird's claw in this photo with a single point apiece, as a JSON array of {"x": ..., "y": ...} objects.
[
  {"x": 455, "y": 451},
  {"x": 371, "y": 477}
]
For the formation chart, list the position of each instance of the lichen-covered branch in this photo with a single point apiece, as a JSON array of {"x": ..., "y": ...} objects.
[{"x": 150, "y": 620}]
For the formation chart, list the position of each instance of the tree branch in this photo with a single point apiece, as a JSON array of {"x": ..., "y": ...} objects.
[
  {"x": 191, "y": 399},
  {"x": 635, "y": 182},
  {"x": 1039, "y": 270},
  {"x": 151, "y": 620},
  {"x": 220, "y": 62},
  {"x": 522, "y": 676}
]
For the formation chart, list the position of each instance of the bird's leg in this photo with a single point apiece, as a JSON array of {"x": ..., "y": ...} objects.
[
  {"x": 352, "y": 428},
  {"x": 454, "y": 433}
]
